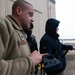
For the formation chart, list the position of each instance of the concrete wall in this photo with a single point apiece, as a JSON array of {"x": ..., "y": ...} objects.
[{"x": 44, "y": 9}]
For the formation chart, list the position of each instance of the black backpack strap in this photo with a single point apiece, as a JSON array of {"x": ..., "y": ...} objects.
[
  {"x": 42, "y": 71},
  {"x": 64, "y": 53}
]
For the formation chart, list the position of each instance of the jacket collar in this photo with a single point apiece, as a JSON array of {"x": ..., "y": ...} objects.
[{"x": 14, "y": 22}]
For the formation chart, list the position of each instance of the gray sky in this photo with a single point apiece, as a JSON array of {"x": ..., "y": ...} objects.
[{"x": 65, "y": 12}]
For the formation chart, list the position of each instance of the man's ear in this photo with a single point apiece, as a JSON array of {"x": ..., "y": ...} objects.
[{"x": 18, "y": 10}]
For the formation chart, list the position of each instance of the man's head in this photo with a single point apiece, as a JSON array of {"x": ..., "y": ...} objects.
[{"x": 23, "y": 12}]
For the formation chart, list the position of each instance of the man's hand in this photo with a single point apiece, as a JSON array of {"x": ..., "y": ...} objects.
[
  {"x": 36, "y": 57},
  {"x": 73, "y": 48}
]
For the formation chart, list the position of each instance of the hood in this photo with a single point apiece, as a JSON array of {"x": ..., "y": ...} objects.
[{"x": 51, "y": 26}]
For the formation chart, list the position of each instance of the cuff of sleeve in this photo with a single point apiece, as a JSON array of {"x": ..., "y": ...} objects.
[
  {"x": 71, "y": 47},
  {"x": 32, "y": 67}
]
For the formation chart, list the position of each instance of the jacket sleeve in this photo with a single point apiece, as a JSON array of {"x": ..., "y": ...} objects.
[
  {"x": 67, "y": 47},
  {"x": 18, "y": 66}
]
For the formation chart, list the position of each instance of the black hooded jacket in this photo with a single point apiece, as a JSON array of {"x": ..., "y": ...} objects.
[
  {"x": 31, "y": 39},
  {"x": 50, "y": 43}
]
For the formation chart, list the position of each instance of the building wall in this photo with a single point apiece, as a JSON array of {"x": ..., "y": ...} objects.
[{"x": 44, "y": 9}]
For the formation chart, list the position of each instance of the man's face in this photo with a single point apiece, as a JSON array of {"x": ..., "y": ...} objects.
[{"x": 26, "y": 17}]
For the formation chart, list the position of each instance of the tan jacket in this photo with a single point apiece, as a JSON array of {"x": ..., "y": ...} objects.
[{"x": 14, "y": 50}]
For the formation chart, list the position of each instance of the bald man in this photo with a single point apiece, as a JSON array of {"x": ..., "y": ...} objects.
[{"x": 15, "y": 55}]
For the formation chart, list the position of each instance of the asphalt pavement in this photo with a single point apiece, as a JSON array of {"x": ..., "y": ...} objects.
[{"x": 70, "y": 59}]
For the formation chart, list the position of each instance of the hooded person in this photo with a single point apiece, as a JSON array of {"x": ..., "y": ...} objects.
[
  {"x": 50, "y": 43},
  {"x": 32, "y": 42},
  {"x": 31, "y": 38},
  {"x": 51, "y": 26}
]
